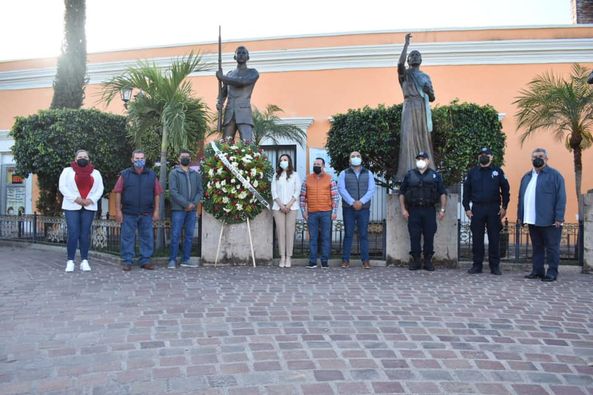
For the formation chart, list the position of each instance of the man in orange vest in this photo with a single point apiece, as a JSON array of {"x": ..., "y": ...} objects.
[{"x": 319, "y": 204}]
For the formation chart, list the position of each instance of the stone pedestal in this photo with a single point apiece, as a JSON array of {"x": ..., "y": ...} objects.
[
  {"x": 234, "y": 247},
  {"x": 588, "y": 230},
  {"x": 398, "y": 238}
]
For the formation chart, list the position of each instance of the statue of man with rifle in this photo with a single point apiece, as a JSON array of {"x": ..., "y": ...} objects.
[{"x": 235, "y": 88}]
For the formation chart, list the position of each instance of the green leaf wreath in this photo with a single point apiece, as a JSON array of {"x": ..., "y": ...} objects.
[{"x": 224, "y": 196}]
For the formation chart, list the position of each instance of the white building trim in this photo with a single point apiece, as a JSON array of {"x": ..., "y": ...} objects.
[{"x": 547, "y": 51}]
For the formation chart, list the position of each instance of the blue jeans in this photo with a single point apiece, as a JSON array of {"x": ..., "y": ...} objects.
[
  {"x": 185, "y": 220},
  {"x": 360, "y": 219},
  {"x": 79, "y": 232},
  {"x": 128, "y": 238},
  {"x": 319, "y": 221},
  {"x": 546, "y": 242}
]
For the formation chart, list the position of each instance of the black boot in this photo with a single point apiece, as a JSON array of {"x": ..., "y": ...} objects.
[
  {"x": 415, "y": 263},
  {"x": 475, "y": 269},
  {"x": 428, "y": 263}
]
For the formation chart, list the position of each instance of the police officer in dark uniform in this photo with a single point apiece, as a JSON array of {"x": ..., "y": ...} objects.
[
  {"x": 487, "y": 188},
  {"x": 419, "y": 193}
]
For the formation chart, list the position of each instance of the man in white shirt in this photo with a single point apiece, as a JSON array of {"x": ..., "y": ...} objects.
[{"x": 542, "y": 202}]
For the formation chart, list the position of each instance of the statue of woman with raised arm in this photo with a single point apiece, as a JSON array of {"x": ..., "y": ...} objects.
[{"x": 416, "y": 120}]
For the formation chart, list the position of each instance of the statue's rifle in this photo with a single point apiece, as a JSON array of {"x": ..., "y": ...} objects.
[{"x": 219, "y": 125}]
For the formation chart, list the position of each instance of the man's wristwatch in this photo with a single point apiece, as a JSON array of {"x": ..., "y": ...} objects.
[{"x": 442, "y": 210}]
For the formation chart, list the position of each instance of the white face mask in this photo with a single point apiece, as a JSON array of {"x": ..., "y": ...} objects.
[
  {"x": 356, "y": 161},
  {"x": 421, "y": 164},
  {"x": 284, "y": 164}
]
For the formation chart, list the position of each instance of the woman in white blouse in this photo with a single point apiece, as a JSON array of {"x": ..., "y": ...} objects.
[
  {"x": 82, "y": 187},
  {"x": 286, "y": 188}
]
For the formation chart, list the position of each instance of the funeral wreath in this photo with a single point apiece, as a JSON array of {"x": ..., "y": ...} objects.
[{"x": 225, "y": 196}]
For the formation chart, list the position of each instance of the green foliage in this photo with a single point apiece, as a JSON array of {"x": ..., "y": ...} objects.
[
  {"x": 45, "y": 143},
  {"x": 374, "y": 132},
  {"x": 460, "y": 130},
  {"x": 266, "y": 125},
  {"x": 563, "y": 108},
  {"x": 71, "y": 69},
  {"x": 146, "y": 132},
  {"x": 163, "y": 114}
]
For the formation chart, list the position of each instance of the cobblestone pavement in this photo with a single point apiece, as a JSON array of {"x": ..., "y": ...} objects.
[{"x": 240, "y": 330}]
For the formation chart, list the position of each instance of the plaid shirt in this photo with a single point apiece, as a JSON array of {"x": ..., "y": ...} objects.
[{"x": 335, "y": 196}]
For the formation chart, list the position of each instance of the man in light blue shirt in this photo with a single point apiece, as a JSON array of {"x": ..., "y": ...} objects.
[{"x": 357, "y": 187}]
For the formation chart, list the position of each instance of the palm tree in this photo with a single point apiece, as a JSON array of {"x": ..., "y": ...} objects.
[
  {"x": 266, "y": 125},
  {"x": 164, "y": 115},
  {"x": 563, "y": 107}
]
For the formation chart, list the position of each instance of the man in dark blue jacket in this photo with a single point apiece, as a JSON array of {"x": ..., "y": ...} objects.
[
  {"x": 487, "y": 188},
  {"x": 542, "y": 202},
  {"x": 137, "y": 195}
]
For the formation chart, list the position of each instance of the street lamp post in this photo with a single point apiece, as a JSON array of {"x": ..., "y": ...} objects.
[{"x": 126, "y": 95}]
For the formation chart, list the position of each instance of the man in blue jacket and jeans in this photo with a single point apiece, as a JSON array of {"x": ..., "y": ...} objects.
[
  {"x": 185, "y": 185},
  {"x": 542, "y": 202},
  {"x": 137, "y": 195}
]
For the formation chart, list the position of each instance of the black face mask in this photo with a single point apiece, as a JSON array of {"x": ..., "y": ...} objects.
[
  {"x": 317, "y": 169},
  {"x": 82, "y": 162},
  {"x": 184, "y": 161},
  {"x": 484, "y": 159},
  {"x": 537, "y": 162}
]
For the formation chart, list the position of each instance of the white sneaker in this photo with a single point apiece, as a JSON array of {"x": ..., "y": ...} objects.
[
  {"x": 281, "y": 264},
  {"x": 84, "y": 266},
  {"x": 69, "y": 266},
  {"x": 287, "y": 262},
  {"x": 189, "y": 264}
]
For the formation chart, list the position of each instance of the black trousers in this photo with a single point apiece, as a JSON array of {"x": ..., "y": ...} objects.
[
  {"x": 486, "y": 217},
  {"x": 422, "y": 223}
]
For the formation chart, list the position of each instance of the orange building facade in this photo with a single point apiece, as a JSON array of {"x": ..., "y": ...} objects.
[{"x": 314, "y": 77}]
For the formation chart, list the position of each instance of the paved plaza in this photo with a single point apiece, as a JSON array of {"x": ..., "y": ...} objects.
[{"x": 266, "y": 330}]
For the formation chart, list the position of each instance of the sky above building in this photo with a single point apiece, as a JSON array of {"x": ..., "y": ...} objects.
[{"x": 34, "y": 28}]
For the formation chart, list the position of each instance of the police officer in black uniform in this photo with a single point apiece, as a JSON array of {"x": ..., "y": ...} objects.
[
  {"x": 487, "y": 188},
  {"x": 419, "y": 193}
]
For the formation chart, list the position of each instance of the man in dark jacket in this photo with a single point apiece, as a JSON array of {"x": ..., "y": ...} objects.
[
  {"x": 185, "y": 185},
  {"x": 419, "y": 193},
  {"x": 542, "y": 202},
  {"x": 487, "y": 188},
  {"x": 137, "y": 195}
]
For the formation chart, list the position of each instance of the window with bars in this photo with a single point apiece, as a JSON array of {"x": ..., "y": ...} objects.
[{"x": 273, "y": 152}]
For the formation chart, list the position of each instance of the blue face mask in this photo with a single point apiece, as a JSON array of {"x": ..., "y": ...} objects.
[
  {"x": 139, "y": 163},
  {"x": 355, "y": 161}
]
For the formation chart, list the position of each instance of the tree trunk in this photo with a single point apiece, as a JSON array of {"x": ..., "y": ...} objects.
[
  {"x": 160, "y": 242},
  {"x": 578, "y": 176}
]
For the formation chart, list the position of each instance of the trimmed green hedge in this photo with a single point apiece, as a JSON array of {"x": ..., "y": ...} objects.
[
  {"x": 46, "y": 142},
  {"x": 459, "y": 131}
]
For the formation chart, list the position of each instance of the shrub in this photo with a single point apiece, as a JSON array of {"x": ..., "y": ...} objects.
[
  {"x": 459, "y": 131},
  {"x": 46, "y": 142}
]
